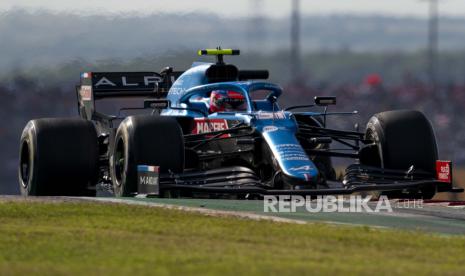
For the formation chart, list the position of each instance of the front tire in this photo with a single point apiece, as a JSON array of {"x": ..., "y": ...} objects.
[
  {"x": 403, "y": 138},
  {"x": 145, "y": 140}
]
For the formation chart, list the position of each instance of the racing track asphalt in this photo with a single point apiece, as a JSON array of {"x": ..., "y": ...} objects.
[{"x": 435, "y": 217}]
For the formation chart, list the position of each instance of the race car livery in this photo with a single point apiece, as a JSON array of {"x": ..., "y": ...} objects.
[{"x": 214, "y": 130}]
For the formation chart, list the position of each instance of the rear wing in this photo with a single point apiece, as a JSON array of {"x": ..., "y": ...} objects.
[{"x": 99, "y": 85}]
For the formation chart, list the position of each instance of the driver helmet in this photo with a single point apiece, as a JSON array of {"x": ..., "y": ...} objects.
[{"x": 226, "y": 100}]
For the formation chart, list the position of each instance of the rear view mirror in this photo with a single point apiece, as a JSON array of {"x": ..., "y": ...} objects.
[
  {"x": 325, "y": 101},
  {"x": 157, "y": 104}
]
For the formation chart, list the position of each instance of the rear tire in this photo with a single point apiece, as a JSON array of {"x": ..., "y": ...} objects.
[
  {"x": 145, "y": 140},
  {"x": 58, "y": 157},
  {"x": 403, "y": 138}
]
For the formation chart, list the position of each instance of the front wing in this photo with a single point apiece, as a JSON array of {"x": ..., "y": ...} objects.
[{"x": 244, "y": 181}]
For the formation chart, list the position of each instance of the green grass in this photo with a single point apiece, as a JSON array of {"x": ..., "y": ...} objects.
[{"x": 97, "y": 239}]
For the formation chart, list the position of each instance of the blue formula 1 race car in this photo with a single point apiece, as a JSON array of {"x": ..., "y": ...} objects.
[{"x": 217, "y": 131}]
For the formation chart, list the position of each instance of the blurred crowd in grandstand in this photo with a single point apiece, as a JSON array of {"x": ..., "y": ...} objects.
[{"x": 444, "y": 106}]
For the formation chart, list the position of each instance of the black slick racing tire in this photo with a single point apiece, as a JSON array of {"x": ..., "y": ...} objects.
[
  {"x": 404, "y": 138},
  {"x": 58, "y": 157},
  {"x": 145, "y": 140}
]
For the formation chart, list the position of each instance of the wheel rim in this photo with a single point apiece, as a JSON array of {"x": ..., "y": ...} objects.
[
  {"x": 25, "y": 164},
  {"x": 370, "y": 135},
  {"x": 120, "y": 161}
]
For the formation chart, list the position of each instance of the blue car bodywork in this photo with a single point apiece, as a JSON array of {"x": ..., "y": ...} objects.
[
  {"x": 258, "y": 149},
  {"x": 277, "y": 127}
]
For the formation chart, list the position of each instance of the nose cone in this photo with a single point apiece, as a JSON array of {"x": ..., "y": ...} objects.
[
  {"x": 301, "y": 174},
  {"x": 295, "y": 165}
]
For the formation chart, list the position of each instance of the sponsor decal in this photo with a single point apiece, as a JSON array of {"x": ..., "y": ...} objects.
[
  {"x": 125, "y": 81},
  {"x": 291, "y": 152},
  {"x": 148, "y": 180},
  {"x": 104, "y": 81},
  {"x": 86, "y": 92},
  {"x": 204, "y": 125},
  {"x": 177, "y": 91},
  {"x": 147, "y": 80},
  {"x": 301, "y": 168},
  {"x": 444, "y": 171},
  {"x": 269, "y": 129},
  {"x": 270, "y": 115}
]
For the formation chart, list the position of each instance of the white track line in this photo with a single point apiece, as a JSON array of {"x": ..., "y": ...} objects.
[
  {"x": 205, "y": 211},
  {"x": 220, "y": 213}
]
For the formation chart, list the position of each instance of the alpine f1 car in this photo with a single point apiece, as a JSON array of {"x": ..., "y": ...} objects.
[{"x": 217, "y": 131}]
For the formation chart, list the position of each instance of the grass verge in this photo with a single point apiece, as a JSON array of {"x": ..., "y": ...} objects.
[{"x": 96, "y": 239}]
